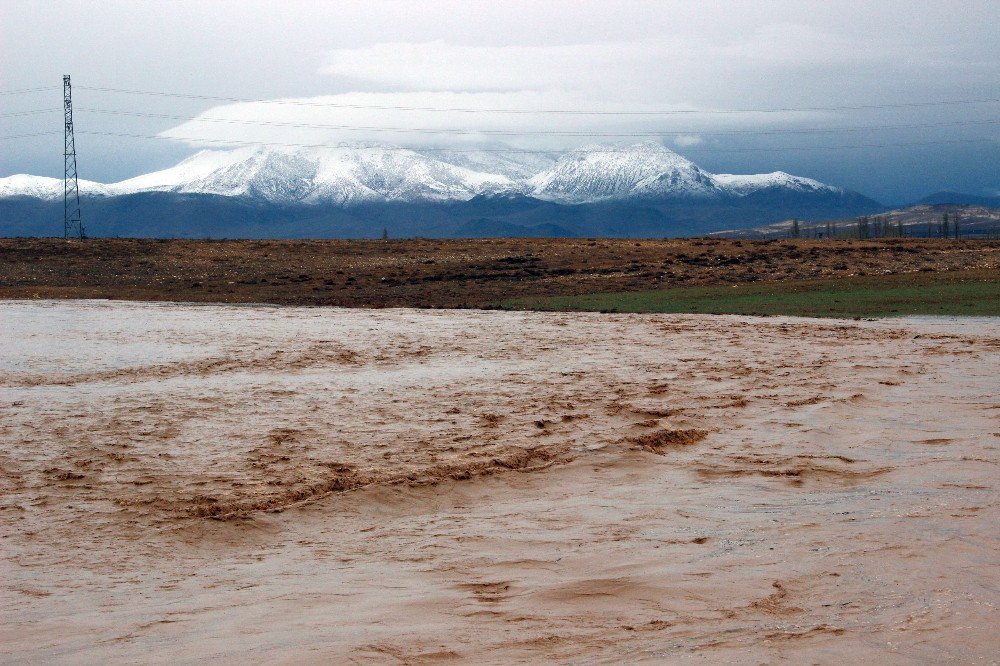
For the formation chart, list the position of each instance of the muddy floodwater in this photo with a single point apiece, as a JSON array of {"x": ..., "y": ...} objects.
[{"x": 191, "y": 483}]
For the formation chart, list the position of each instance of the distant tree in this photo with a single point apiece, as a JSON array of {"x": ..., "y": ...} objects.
[
  {"x": 863, "y": 228},
  {"x": 796, "y": 231},
  {"x": 944, "y": 225},
  {"x": 899, "y": 229},
  {"x": 385, "y": 233},
  {"x": 954, "y": 225}
]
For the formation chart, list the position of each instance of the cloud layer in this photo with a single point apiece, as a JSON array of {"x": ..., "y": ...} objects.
[
  {"x": 338, "y": 61},
  {"x": 443, "y": 93}
]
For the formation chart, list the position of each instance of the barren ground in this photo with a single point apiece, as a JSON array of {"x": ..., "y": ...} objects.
[
  {"x": 182, "y": 483},
  {"x": 448, "y": 273}
]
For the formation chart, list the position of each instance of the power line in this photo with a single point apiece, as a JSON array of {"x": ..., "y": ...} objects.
[
  {"x": 581, "y": 133},
  {"x": 517, "y": 150},
  {"x": 392, "y": 107},
  {"x": 34, "y": 112},
  {"x": 24, "y": 136},
  {"x": 570, "y": 133},
  {"x": 231, "y": 142},
  {"x": 27, "y": 90}
]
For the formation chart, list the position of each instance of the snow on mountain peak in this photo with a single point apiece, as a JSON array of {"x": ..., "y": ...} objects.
[
  {"x": 620, "y": 171},
  {"x": 341, "y": 174},
  {"x": 41, "y": 187},
  {"x": 743, "y": 185},
  {"x": 353, "y": 173}
]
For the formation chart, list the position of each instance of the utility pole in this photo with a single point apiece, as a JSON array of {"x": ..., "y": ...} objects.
[{"x": 72, "y": 221}]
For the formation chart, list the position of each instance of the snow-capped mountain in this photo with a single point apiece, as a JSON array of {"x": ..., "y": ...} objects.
[
  {"x": 649, "y": 171},
  {"x": 518, "y": 165},
  {"x": 42, "y": 187},
  {"x": 361, "y": 190},
  {"x": 640, "y": 171},
  {"x": 744, "y": 185},
  {"x": 341, "y": 175},
  {"x": 352, "y": 174}
]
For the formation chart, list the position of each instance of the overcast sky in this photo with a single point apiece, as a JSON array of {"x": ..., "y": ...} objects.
[{"x": 382, "y": 72}]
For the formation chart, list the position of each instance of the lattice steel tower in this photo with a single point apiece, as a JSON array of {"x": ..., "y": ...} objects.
[{"x": 72, "y": 222}]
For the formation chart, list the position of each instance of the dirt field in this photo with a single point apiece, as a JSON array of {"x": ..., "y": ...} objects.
[
  {"x": 184, "y": 483},
  {"x": 445, "y": 273}
]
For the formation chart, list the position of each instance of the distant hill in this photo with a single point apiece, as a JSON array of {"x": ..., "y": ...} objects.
[
  {"x": 946, "y": 197},
  {"x": 921, "y": 220}
]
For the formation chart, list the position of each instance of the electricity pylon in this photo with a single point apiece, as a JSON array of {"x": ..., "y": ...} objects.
[{"x": 72, "y": 221}]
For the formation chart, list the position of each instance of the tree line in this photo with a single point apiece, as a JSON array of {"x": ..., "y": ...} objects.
[{"x": 877, "y": 226}]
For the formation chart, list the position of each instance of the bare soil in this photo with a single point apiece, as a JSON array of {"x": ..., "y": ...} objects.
[{"x": 447, "y": 273}]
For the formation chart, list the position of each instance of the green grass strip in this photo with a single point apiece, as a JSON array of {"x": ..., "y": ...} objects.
[{"x": 859, "y": 296}]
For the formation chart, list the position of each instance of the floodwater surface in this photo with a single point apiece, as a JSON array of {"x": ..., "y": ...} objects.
[{"x": 184, "y": 483}]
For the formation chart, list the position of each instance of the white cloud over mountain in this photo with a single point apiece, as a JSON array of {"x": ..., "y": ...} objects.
[
  {"x": 678, "y": 65},
  {"x": 397, "y": 88}
]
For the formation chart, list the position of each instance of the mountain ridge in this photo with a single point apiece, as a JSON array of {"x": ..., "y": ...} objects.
[
  {"x": 348, "y": 174},
  {"x": 949, "y": 197},
  {"x": 361, "y": 190}
]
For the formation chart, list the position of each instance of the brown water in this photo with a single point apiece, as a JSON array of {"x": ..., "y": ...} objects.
[{"x": 182, "y": 483}]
